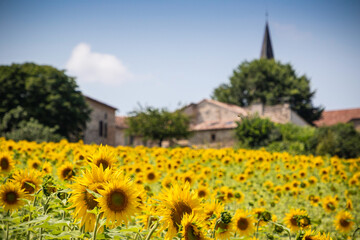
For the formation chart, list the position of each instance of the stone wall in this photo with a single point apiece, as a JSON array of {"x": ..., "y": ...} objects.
[
  {"x": 100, "y": 115},
  {"x": 214, "y": 138},
  {"x": 207, "y": 111}
]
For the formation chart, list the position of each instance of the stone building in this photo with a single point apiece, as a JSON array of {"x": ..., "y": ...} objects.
[
  {"x": 213, "y": 123},
  {"x": 329, "y": 118},
  {"x": 101, "y": 127}
]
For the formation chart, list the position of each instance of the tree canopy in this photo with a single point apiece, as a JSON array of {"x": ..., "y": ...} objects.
[
  {"x": 46, "y": 94},
  {"x": 269, "y": 82},
  {"x": 158, "y": 124}
]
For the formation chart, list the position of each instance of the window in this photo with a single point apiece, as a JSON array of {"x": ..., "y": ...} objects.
[
  {"x": 131, "y": 142},
  {"x": 213, "y": 137},
  {"x": 105, "y": 130},
  {"x": 105, "y": 115},
  {"x": 100, "y": 128}
]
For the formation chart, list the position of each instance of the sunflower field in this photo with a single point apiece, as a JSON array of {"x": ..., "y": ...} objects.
[{"x": 76, "y": 191}]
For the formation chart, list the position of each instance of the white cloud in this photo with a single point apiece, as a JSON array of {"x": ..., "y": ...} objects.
[{"x": 90, "y": 66}]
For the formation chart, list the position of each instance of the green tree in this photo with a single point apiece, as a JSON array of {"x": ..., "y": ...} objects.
[
  {"x": 341, "y": 139},
  {"x": 158, "y": 124},
  {"x": 253, "y": 131},
  {"x": 269, "y": 82},
  {"x": 47, "y": 95}
]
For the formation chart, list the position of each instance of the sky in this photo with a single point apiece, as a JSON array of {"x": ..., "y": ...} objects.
[{"x": 172, "y": 53}]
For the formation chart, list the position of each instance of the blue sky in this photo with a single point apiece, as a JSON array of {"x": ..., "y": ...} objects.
[{"x": 171, "y": 53}]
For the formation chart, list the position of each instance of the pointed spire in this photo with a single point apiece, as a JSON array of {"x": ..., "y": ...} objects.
[{"x": 266, "y": 49}]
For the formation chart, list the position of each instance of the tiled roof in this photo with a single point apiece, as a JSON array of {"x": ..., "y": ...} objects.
[
  {"x": 208, "y": 125},
  {"x": 339, "y": 116},
  {"x": 120, "y": 122}
]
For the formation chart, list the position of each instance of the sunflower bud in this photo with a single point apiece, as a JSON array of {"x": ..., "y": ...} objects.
[{"x": 226, "y": 217}]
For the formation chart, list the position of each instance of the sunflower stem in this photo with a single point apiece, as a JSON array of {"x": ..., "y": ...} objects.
[
  {"x": 7, "y": 230},
  {"x": 285, "y": 228},
  {"x": 353, "y": 236},
  {"x": 152, "y": 230},
  {"x": 257, "y": 228},
  {"x": 216, "y": 224},
  {"x": 96, "y": 225}
]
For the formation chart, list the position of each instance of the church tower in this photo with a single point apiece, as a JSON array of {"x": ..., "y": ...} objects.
[{"x": 266, "y": 49}]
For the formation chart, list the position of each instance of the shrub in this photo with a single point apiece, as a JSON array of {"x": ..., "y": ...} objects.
[
  {"x": 254, "y": 131},
  {"x": 341, "y": 139}
]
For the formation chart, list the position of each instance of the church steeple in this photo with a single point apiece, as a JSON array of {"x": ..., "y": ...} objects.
[{"x": 266, "y": 49}]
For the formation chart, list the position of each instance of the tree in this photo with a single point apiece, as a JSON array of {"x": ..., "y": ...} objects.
[
  {"x": 269, "y": 82},
  {"x": 47, "y": 95},
  {"x": 253, "y": 131},
  {"x": 341, "y": 139},
  {"x": 158, "y": 124}
]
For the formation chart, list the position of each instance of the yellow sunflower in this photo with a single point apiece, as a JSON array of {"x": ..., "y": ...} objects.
[
  {"x": 46, "y": 168},
  {"x": 329, "y": 204},
  {"x": 34, "y": 164},
  {"x": 119, "y": 200},
  {"x": 82, "y": 200},
  {"x": 243, "y": 223},
  {"x": 175, "y": 203},
  {"x": 151, "y": 176},
  {"x": 11, "y": 195},
  {"x": 29, "y": 180},
  {"x": 66, "y": 171},
  {"x": 344, "y": 221},
  {"x": 193, "y": 228},
  {"x": 293, "y": 217},
  {"x": 203, "y": 192},
  {"x": 104, "y": 156},
  {"x": 6, "y": 162},
  {"x": 311, "y": 235},
  {"x": 223, "y": 228}
]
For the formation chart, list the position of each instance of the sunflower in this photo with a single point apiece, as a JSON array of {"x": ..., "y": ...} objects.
[
  {"x": 151, "y": 176},
  {"x": 29, "y": 180},
  {"x": 11, "y": 195},
  {"x": 82, "y": 200},
  {"x": 175, "y": 203},
  {"x": 223, "y": 228},
  {"x": 311, "y": 235},
  {"x": 293, "y": 217},
  {"x": 66, "y": 171},
  {"x": 203, "y": 192},
  {"x": 119, "y": 200},
  {"x": 212, "y": 210},
  {"x": 329, "y": 204},
  {"x": 104, "y": 156},
  {"x": 344, "y": 221},
  {"x": 34, "y": 164},
  {"x": 243, "y": 223},
  {"x": 193, "y": 228},
  {"x": 6, "y": 162},
  {"x": 46, "y": 168}
]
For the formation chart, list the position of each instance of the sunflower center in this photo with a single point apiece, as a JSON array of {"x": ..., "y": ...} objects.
[
  {"x": 293, "y": 221},
  {"x": 11, "y": 197},
  {"x": 103, "y": 162},
  {"x": 180, "y": 208},
  {"x": 117, "y": 200},
  {"x": 90, "y": 201},
  {"x": 151, "y": 176},
  {"x": 201, "y": 193},
  {"x": 35, "y": 165},
  {"x": 242, "y": 224},
  {"x": 190, "y": 234},
  {"x": 344, "y": 222},
  {"x": 27, "y": 186},
  {"x": 4, "y": 163},
  {"x": 67, "y": 173},
  {"x": 188, "y": 179}
]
